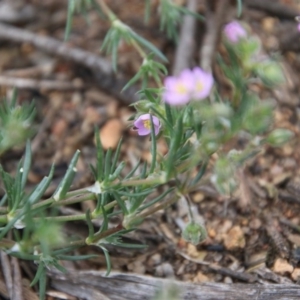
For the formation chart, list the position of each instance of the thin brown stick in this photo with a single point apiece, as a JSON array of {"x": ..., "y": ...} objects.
[
  {"x": 274, "y": 8},
  {"x": 6, "y": 269},
  {"x": 136, "y": 287},
  {"x": 17, "y": 280},
  {"x": 214, "y": 22},
  {"x": 186, "y": 43},
  {"x": 100, "y": 67},
  {"x": 22, "y": 83}
]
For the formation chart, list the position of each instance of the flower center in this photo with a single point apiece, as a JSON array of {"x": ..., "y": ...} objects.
[
  {"x": 180, "y": 88},
  {"x": 147, "y": 124},
  {"x": 199, "y": 86}
]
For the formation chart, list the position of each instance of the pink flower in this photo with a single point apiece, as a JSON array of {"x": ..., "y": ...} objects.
[
  {"x": 143, "y": 124},
  {"x": 193, "y": 84},
  {"x": 178, "y": 90},
  {"x": 203, "y": 84},
  {"x": 234, "y": 31},
  {"x": 298, "y": 26}
]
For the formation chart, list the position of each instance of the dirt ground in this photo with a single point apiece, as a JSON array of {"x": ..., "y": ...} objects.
[{"x": 252, "y": 237}]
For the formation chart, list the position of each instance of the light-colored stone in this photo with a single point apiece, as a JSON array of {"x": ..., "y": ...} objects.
[
  {"x": 110, "y": 133},
  {"x": 224, "y": 226},
  {"x": 228, "y": 280},
  {"x": 154, "y": 260},
  {"x": 137, "y": 267},
  {"x": 235, "y": 238},
  {"x": 165, "y": 270},
  {"x": 201, "y": 278},
  {"x": 192, "y": 250},
  {"x": 198, "y": 197},
  {"x": 281, "y": 266},
  {"x": 255, "y": 223}
]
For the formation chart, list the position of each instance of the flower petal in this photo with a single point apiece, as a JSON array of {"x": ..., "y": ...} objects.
[{"x": 205, "y": 81}]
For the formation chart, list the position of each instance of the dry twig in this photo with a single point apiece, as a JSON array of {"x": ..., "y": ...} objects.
[
  {"x": 214, "y": 22},
  {"x": 186, "y": 43},
  {"x": 273, "y": 8},
  {"x": 133, "y": 286},
  {"x": 101, "y": 67},
  {"x": 22, "y": 83}
]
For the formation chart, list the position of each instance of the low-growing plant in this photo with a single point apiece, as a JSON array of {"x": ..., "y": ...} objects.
[{"x": 187, "y": 111}]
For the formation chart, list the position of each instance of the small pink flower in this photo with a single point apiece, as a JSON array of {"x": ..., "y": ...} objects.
[
  {"x": 203, "y": 84},
  {"x": 178, "y": 90},
  {"x": 190, "y": 85},
  {"x": 143, "y": 124},
  {"x": 298, "y": 27},
  {"x": 234, "y": 31}
]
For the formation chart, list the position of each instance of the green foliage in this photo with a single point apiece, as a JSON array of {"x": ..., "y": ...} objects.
[
  {"x": 279, "y": 137},
  {"x": 171, "y": 16},
  {"x": 31, "y": 228},
  {"x": 194, "y": 233},
  {"x": 77, "y": 7},
  {"x": 15, "y": 123},
  {"x": 121, "y": 32}
]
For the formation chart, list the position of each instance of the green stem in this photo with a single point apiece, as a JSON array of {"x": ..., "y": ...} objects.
[
  {"x": 100, "y": 235},
  {"x": 138, "y": 48},
  {"x": 106, "y": 10},
  {"x": 63, "y": 218},
  {"x": 153, "y": 210},
  {"x": 146, "y": 181}
]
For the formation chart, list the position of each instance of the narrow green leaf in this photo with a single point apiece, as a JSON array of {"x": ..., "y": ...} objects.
[
  {"x": 136, "y": 194},
  {"x": 155, "y": 200},
  {"x": 76, "y": 257},
  {"x": 149, "y": 46},
  {"x": 66, "y": 182},
  {"x": 10, "y": 225},
  {"x": 130, "y": 246},
  {"x": 107, "y": 168},
  {"x": 147, "y": 11},
  {"x": 200, "y": 173},
  {"x": 42, "y": 284},
  {"x": 71, "y": 7},
  {"x": 100, "y": 155},
  {"x": 239, "y": 7},
  {"x": 104, "y": 225},
  {"x": 153, "y": 147},
  {"x": 144, "y": 171},
  {"x": 121, "y": 203},
  {"x": 117, "y": 154},
  {"x": 191, "y": 13},
  {"x": 38, "y": 274},
  {"x": 3, "y": 200},
  {"x": 64, "y": 250},
  {"x": 89, "y": 223},
  {"x": 132, "y": 81},
  {"x": 167, "y": 123},
  {"x": 93, "y": 170},
  {"x": 24, "y": 256},
  {"x": 40, "y": 190},
  {"x": 114, "y": 54},
  {"x": 118, "y": 171},
  {"x": 26, "y": 164},
  {"x": 107, "y": 258},
  {"x": 17, "y": 187},
  {"x": 59, "y": 267}
]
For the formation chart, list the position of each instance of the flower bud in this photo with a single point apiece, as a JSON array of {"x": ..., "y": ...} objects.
[
  {"x": 279, "y": 136},
  {"x": 194, "y": 233},
  {"x": 143, "y": 106},
  {"x": 223, "y": 177},
  {"x": 270, "y": 73}
]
